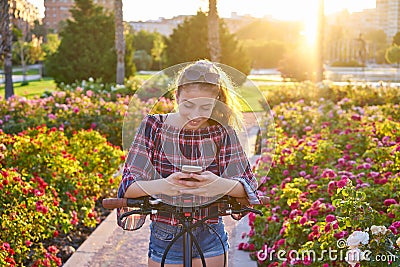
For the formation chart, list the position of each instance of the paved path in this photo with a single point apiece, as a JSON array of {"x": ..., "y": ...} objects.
[{"x": 110, "y": 246}]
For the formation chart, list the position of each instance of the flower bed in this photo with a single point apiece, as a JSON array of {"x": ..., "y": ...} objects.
[
  {"x": 53, "y": 174},
  {"x": 70, "y": 111},
  {"x": 49, "y": 186},
  {"x": 335, "y": 172}
]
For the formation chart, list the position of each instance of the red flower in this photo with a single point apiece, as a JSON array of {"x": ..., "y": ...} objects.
[{"x": 53, "y": 249}]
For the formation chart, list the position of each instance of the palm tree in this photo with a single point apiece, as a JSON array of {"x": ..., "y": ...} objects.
[
  {"x": 5, "y": 46},
  {"x": 320, "y": 38},
  {"x": 213, "y": 31},
  {"x": 119, "y": 42}
]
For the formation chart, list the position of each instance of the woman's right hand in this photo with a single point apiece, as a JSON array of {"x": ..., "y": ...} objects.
[{"x": 172, "y": 185}]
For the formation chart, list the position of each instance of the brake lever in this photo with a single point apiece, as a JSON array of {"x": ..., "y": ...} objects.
[{"x": 246, "y": 209}]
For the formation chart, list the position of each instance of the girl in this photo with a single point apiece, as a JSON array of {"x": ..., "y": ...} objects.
[{"x": 201, "y": 132}]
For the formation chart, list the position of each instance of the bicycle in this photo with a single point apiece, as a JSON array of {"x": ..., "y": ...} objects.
[{"x": 148, "y": 205}]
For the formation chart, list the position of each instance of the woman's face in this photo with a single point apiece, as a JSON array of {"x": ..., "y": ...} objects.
[{"x": 195, "y": 105}]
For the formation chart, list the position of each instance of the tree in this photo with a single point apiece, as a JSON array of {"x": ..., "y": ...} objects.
[
  {"x": 143, "y": 61},
  {"x": 39, "y": 30},
  {"x": 213, "y": 31},
  {"x": 21, "y": 50},
  {"x": 6, "y": 47},
  {"x": 144, "y": 40},
  {"x": 158, "y": 49},
  {"x": 51, "y": 45},
  {"x": 377, "y": 44},
  {"x": 119, "y": 42},
  {"x": 392, "y": 54},
  {"x": 265, "y": 54},
  {"x": 87, "y": 46},
  {"x": 28, "y": 52},
  {"x": 130, "y": 67},
  {"x": 189, "y": 42},
  {"x": 396, "y": 39},
  {"x": 296, "y": 65}
]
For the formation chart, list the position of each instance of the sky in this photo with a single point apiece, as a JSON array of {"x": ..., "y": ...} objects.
[{"x": 283, "y": 9}]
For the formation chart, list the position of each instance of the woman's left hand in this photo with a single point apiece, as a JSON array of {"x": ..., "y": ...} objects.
[{"x": 207, "y": 184}]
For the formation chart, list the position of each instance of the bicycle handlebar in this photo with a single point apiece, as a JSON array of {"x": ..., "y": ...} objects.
[{"x": 112, "y": 203}]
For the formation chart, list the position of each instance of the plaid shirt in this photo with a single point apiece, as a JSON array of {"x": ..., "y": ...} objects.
[{"x": 159, "y": 149}]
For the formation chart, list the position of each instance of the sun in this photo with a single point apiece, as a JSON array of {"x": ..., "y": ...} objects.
[{"x": 310, "y": 29}]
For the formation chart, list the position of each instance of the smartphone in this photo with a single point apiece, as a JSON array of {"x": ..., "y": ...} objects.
[{"x": 191, "y": 169}]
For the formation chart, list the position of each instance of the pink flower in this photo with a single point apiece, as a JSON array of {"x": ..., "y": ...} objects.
[
  {"x": 389, "y": 202},
  {"x": 328, "y": 173},
  {"x": 51, "y": 116},
  {"x": 280, "y": 242},
  {"x": 307, "y": 129},
  {"x": 89, "y": 93},
  {"x": 327, "y": 227},
  {"x": 367, "y": 166},
  {"x": 356, "y": 117},
  {"x": 330, "y": 218},
  {"x": 315, "y": 229},
  {"x": 342, "y": 183},
  {"x": 303, "y": 220},
  {"x": 307, "y": 260},
  {"x": 340, "y": 234}
]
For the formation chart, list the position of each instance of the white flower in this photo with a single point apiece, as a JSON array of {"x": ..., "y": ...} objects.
[
  {"x": 376, "y": 230},
  {"x": 357, "y": 238},
  {"x": 398, "y": 242},
  {"x": 354, "y": 256}
]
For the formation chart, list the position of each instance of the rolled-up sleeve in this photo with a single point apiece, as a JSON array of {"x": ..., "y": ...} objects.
[{"x": 234, "y": 164}]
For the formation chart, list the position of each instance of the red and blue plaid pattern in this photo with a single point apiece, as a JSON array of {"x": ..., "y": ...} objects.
[{"x": 159, "y": 150}]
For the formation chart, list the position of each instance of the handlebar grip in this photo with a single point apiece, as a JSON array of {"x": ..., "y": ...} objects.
[{"x": 112, "y": 203}]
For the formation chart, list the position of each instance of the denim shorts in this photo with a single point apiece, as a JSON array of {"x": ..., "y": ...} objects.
[{"x": 162, "y": 234}]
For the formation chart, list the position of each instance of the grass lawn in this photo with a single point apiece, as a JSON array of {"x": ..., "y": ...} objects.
[{"x": 33, "y": 88}]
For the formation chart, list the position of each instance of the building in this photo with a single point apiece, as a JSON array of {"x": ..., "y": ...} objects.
[
  {"x": 23, "y": 15},
  {"x": 57, "y": 11},
  {"x": 166, "y": 26},
  {"x": 388, "y": 15},
  {"x": 163, "y": 26}
]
